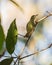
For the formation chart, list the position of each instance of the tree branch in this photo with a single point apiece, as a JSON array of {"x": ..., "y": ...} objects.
[
  {"x": 25, "y": 45},
  {"x": 17, "y": 5},
  {"x": 36, "y": 52},
  {"x": 49, "y": 14},
  {"x": 18, "y": 62},
  {"x": 15, "y": 61}
]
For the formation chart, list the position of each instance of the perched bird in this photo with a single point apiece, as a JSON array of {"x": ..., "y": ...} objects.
[{"x": 31, "y": 25}]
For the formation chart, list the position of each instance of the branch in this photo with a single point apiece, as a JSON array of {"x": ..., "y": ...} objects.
[
  {"x": 49, "y": 14},
  {"x": 18, "y": 58},
  {"x": 17, "y": 5},
  {"x": 18, "y": 62},
  {"x": 24, "y": 46},
  {"x": 36, "y": 52},
  {"x": 15, "y": 61},
  {"x": 21, "y": 35}
]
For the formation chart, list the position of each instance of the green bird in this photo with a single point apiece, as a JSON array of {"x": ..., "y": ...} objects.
[{"x": 31, "y": 25}]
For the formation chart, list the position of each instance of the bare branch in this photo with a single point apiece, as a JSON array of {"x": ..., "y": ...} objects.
[
  {"x": 25, "y": 45},
  {"x": 37, "y": 52},
  {"x": 17, "y": 5},
  {"x": 18, "y": 62},
  {"x": 21, "y": 35},
  {"x": 15, "y": 61},
  {"x": 49, "y": 14}
]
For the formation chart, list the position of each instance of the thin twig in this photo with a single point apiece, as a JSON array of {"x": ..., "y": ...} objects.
[
  {"x": 18, "y": 58},
  {"x": 17, "y": 5},
  {"x": 37, "y": 22},
  {"x": 18, "y": 62},
  {"x": 25, "y": 46},
  {"x": 10, "y": 56},
  {"x": 15, "y": 61},
  {"x": 15, "y": 54},
  {"x": 21, "y": 35},
  {"x": 36, "y": 52},
  {"x": 49, "y": 14},
  {"x": 6, "y": 56}
]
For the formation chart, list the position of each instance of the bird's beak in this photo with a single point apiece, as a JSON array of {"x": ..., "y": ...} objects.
[{"x": 36, "y": 15}]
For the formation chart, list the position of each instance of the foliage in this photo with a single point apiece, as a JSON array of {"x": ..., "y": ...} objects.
[
  {"x": 6, "y": 61},
  {"x": 12, "y": 38},
  {"x": 2, "y": 37}
]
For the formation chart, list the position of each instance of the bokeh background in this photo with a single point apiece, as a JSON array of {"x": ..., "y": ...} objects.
[{"x": 9, "y": 12}]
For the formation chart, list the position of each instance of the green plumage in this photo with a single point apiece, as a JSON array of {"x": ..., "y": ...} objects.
[{"x": 30, "y": 25}]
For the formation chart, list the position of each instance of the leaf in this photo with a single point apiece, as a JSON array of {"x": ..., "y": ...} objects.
[
  {"x": 11, "y": 38},
  {"x": 2, "y": 52},
  {"x": 6, "y": 61},
  {"x": 2, "y": 37}
]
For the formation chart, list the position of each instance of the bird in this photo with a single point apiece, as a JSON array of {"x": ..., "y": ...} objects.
[{"x": 31, "y": 25}]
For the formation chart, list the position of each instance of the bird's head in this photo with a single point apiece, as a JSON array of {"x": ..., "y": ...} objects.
[{"x": 34, "y": 16}]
